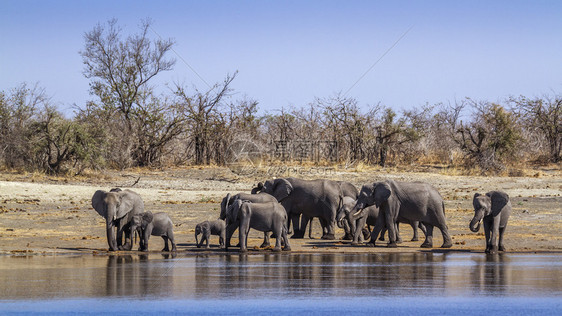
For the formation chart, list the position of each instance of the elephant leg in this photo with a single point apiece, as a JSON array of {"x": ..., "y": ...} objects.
[
  {"x": 145, "y": 236},
  {"x": 398, "y": 238},
  {"x": 230, "y": 228},
  {"x": 304, "y": 223},
  {"x": 266, "y": 242},
  {"x": 172, "y": 239},
  {"x": 279, "y": 233},
  {"x": 379, "y": 226},
  {"x": 296, "y": 226},
  {"x": 391, "y": 226},
  {"x": 414, "y": 225},
  {"x": 428, "y": 243},
  {"x": 500, "y": 241},
  {"x": 447, "y": 240},
  {"x": 494, "y": 235},
  {"x": 324, "y": 225},
  {"x": 165, "y": 243},
  {"x": 128, "y": 238},
  {"x": 488, "y": 233},
  {"x": 243, "y": 231},
  {"x": 286, "y": 241},
  {"x": 110, "y": 232},
  {"x": 358, "y": 230},
  {"x": 222, "y": 238},
  {"x": 348, "y": 231},
  {"x": 330, "y": 235},
  {"x": 207, "y": 238},
  {"x": 119, "y": 239}
]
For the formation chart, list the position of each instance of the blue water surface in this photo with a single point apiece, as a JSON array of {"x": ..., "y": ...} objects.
[{"x": 257, "y": 284}]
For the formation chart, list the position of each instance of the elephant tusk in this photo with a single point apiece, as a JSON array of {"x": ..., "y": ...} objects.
[{"x": 357, "y": 213}]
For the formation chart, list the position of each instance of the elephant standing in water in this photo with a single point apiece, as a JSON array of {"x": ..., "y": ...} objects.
[
  {"x": 118, "y": 208},
  {"x": 414, "y": 201},
  {"x": 311, "y": 198},
  {"x": 493, "y": 209}
]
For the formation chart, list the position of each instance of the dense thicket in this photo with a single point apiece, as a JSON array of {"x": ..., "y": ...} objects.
[{"x": 128, "y": 124}]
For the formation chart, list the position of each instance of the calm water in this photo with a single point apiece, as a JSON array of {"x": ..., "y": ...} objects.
[{"x": 428, "y": 283}]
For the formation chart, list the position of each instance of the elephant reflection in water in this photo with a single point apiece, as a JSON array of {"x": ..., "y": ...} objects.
[
  {"x": 491, "y": 274},
  {"x": 128, "y": 275}
]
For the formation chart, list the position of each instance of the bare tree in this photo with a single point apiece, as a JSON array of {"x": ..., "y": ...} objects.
[
  {"x": 19, "y": 108},
  {"x": 202, "y": 112},
  {"x": 545, "y": 116},
  {"x": 120, "y": 70}
]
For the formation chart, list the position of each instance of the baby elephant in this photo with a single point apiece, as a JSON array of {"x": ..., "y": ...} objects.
[
  {"x": 493, "y": 209},
  {"x": 158, "y": 224},
  {"x": 208, "y": 228}
]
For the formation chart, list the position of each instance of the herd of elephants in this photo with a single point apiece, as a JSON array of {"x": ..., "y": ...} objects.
[{"x": 272, "y": 206}]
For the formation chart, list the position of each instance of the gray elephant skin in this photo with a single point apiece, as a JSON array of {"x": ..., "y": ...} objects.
[
  {"x": 208, "y": 228},
  {"x": 368, "y": 216},
  {"x": 257, "y": 197},
  {"x": 492, "y": 209},
  {"x": 414, "y": 201},
  {"x": 118, "y": 208},
  {"x": 311, "y": 198},
  {"x": 265, "y": 217},
  {"x": 158, "y": 224}
]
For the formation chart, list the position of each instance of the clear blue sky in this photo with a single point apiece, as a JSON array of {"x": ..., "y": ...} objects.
[{"x": 289, "y": 52}]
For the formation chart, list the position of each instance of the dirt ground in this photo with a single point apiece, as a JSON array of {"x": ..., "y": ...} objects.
[{"x": 47, "y": 215}]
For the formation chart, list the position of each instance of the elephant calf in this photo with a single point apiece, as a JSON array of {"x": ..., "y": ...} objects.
[
  {"x": 159, "y": 224},
  {"x": 208, "y": 228},
  {"x": 493, "y": 209}
]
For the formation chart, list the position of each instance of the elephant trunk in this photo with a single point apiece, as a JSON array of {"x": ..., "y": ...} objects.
[
  {"x": 197, "y": 240},
  {"x": 357, "y": 209},
  {"x": 339, "y": 219},
  {"x": 110, "y": 230},
  {"x": 475, "y": 222}
]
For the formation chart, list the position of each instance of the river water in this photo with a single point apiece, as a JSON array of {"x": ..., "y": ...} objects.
[{"x": 400, "y": 283}]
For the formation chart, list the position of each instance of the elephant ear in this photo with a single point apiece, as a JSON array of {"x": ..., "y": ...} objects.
[
  {"x": 258, "y": 188},
  {"x": 126, "y": 204},
  {"x": 282, "y": 189},
  {"x": 224, "y": 206},
  {"x": 233, "y": 209},
  {"x": 147, "y": 218},
  {"x": 499, "y": 200},
  {"x": 98, "y": 203},
  {"x": 382, "y": 192}
]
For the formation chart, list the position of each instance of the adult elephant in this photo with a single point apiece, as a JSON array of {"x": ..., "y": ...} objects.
[
  {"x": 118, "y": 208},
  {"x": 348, "y": 190},
  {"x": 311, "y": 198},
  {"x": 229, "y": 199},
  {"x": 414, "y": 201},
  {"x": 368, "y": 216}
]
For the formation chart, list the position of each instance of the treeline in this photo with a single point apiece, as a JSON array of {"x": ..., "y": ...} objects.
[{"x": 129, "y": 124}]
